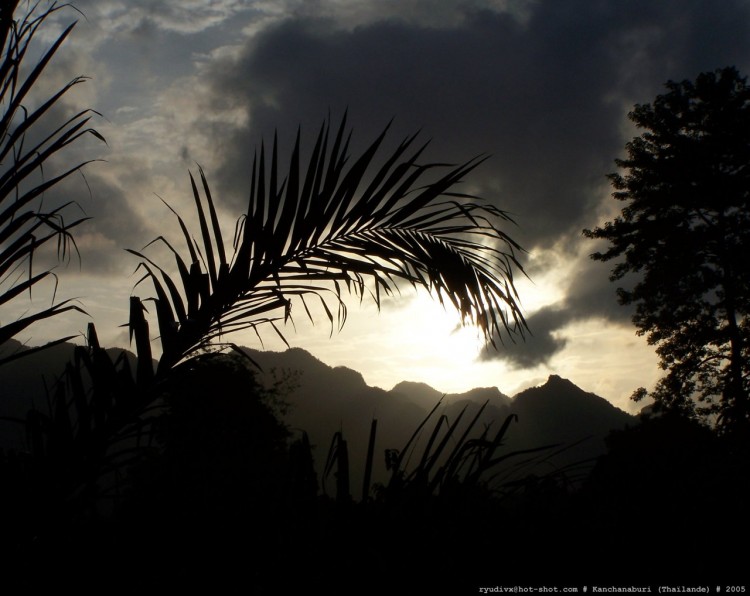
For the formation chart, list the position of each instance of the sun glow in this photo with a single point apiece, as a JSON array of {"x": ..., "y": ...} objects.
[
  {"x": 413, "y": 337},
  {"x": 425, "y": 324}
]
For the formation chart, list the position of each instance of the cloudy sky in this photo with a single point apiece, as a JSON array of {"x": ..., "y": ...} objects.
[{"x": 543, "y": 86}]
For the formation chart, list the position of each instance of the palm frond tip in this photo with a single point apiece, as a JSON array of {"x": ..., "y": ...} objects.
[
  {"x": 334, "y": 229},
  {"x": 29, "y": 142}
]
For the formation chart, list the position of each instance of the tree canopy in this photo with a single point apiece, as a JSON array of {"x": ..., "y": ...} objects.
[{"x": 684, "y": 231}]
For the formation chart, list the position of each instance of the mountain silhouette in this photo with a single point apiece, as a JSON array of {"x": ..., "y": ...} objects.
[
  {"x": 425, "y": 396},
  {"x": 324, "y": 400},
  {"x": 331, "y": 399},
  {"x": 420, "y": 394},
  {"x": 562, "y": 413}
]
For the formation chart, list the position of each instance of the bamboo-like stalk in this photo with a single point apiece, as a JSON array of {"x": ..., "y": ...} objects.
[
  {"x": 369, "y": 461},
  {"x": 343, "y": 494},
  {"x": 338, "y": 457}
]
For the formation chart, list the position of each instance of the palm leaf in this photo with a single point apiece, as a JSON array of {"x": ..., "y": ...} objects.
[
  {"x": 25, "y": 224},
  {"x": 326, "y": 231}
]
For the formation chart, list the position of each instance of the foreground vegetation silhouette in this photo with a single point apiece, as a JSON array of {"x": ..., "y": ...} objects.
[{"x": 179, "y": 474}]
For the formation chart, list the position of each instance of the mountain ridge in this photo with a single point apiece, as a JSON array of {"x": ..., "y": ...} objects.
[
  {"x": 324, "y": 400},
  {"x": 302, "y": 358},
  {"x": 557, "y": 412}
]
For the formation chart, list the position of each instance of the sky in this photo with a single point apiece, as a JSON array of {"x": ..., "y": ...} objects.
[{"x": 541, "y": 86}]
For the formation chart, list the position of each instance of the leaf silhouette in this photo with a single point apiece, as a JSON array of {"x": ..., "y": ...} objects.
[{"x": 327, "y": 231}]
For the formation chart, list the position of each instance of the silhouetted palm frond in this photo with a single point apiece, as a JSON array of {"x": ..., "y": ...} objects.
[
  {"x": 342, "y": 225},
  {"x": 25, "y": 148}
]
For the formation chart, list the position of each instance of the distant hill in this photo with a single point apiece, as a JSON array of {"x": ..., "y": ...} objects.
[
  {"x": 424, "y": 395},
  {"x": 560, "y": 412},
  {"x": 419, "y": 393},
  {"x": 325, "y": 399},
  {"x": 330, "y": 399}
]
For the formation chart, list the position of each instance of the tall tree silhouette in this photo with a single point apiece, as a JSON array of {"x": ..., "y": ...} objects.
[
  {"x": 685, "y": 229},
  {"x": 29, "y": 142},
  {"x": 341, "y": 225}
]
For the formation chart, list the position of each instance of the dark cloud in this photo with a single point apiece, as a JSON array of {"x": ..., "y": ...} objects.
[
  {"x": 489, "y": 86},
  {"x": 539, "y": 346},
  {"x": 112, "y": 225},
  {"x": 94, "y": 245},
  {"x": 589, "y": 295},
  {"x": 547, "y": 97}
]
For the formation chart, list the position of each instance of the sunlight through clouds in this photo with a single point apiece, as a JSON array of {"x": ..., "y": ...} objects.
[
  {"x": 412, "y": 338},
  {"x": 543, "y": 90}
]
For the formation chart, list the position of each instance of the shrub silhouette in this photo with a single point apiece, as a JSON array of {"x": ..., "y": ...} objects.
[
  {"x": 217, "y": 470},
  {"x": 671, "y": 481}
]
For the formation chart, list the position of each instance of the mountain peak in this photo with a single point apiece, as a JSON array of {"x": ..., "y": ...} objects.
[
  {"x": 558, "y": 381},
  {"x": 414, "y": 385},
  {"x": 561, "y": 394},
  {"x": 419, "y": 393}
]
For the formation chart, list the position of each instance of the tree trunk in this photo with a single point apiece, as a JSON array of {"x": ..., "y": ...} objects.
[{"x": 735, "y": 399}]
